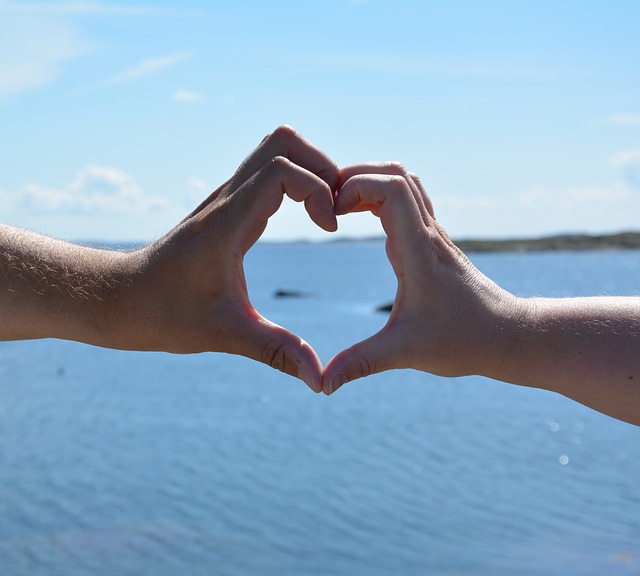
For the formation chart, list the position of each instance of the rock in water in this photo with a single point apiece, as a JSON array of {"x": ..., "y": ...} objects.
[{"x": 289, "y": 294}]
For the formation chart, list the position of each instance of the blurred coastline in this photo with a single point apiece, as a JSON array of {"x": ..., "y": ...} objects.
[
  {"x": 619, "y": 241},
  {"x": 628, "y": 240},
  {"x": 558, "y": 242}
]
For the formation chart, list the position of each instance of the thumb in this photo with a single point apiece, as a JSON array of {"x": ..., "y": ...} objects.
[
  {"x": 375, "y": 354},
  {"x": 266, "y": 342}
]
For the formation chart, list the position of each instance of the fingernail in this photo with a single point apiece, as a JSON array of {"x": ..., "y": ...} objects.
[{"x": 337, "y": 381}]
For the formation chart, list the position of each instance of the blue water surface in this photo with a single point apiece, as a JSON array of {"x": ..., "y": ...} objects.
[{"x": 142, "y": 463}]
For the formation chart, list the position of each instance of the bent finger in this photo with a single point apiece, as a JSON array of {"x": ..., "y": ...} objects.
[
  {"x": 282, "y": 176},
  {"x": 420, "y": 189},
  {"x": 287, "y": 142},
  {"x": 391, "y": 168},
  {"x": 260, "y": 197},
  {"x": 393, "y": 199}
]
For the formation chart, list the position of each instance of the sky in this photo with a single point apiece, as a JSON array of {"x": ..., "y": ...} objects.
[{"x": 521, "y": 118}]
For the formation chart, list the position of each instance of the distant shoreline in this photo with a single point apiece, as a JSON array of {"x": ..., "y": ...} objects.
[
  {"x": 558, "y": 242},
  {"x": 618, "y": 241}
]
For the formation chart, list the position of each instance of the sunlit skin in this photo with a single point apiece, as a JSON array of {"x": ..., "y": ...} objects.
[
  {"x": 451, "y": 320},
  {"x": 187, "y": 293},
  {"x": 184, "y": 293}
]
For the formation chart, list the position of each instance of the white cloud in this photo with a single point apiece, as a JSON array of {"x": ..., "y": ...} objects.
[
  {"x": 95, "y": 189},
  {"x": 98, "y": 8},
  {"x": 32, "y": 52},
  {"x": 547, "y": 209},
  {"x": 566, "y": 198},
  {"x": 147, "y": 67},
  {"x": 628, "y": 162},
  {"x": 37, "y": 38},
  {"x": 625, "y": 119},
  {"x": 187, "y": 96},
  {"x": 543, "y": 210},
  {"x": 544, "y": 198},
  {"x": 626, "y": 158}
]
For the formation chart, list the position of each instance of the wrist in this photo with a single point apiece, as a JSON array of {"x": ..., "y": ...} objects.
[
  {"x": 515, "y": 324},
  {"x": 113, "y": 317}
]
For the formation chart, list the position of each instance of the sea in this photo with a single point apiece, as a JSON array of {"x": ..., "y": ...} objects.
[{"x": 132, "y": 464}]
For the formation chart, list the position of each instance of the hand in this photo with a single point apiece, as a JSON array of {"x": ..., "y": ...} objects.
[
  {"x": 189, "y": 293},
  {"x": 447, "y": 318},
  {"x": 451, "y": 320}
]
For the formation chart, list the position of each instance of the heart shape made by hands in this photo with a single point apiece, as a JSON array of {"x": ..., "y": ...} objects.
[{"x": 434, "y": 277}]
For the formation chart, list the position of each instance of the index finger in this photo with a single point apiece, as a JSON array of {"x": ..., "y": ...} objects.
[
  {"x": 390, "y": 168},
  {"x": 390, "y": 196},
  {"x": 287, "y": 142}
]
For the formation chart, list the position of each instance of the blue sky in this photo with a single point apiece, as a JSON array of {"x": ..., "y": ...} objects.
[{"x": 522, "y": 118}]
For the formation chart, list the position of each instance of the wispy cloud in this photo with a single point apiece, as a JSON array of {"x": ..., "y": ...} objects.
[
  {"x": 33, "y": 51},
  {"x": 146, "y": 68},
  {"x": 573, "y": 196},
  {"x": 187, "y": 96},
  {"x": 625, "y": 119},
  {"x": 94, "y": 190},
  {"x": 547, "y": 209},
  {"x": 628, "y": 162},
  {"x": 625, "y": 158},
  {"x": 442, "y": 67},
  {"x": 89, "y": 8},
  {"x": 38, "y": 38},
  {"x": 543, "y": 210}
]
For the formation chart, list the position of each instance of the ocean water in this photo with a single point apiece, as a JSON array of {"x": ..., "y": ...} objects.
[{"x": 142, "y": 463}]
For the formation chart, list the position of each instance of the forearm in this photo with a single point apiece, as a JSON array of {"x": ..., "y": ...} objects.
[
  {"x": 585, "y": 348},
  {"x": 53, "y": 289}
]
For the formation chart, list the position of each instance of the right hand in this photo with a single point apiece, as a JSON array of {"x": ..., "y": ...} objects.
[{"x": 447, "y": 318}]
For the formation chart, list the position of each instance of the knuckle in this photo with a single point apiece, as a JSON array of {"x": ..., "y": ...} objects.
[
  {"x": 396, "y": 167},
  {"x": 365, "y": 366},
  {"x": 273, "y": 354},
  {"x": 276, "y": 165},
  {"x": 279, "y": 162},
  {"x": 398, "y": 182},
  {"x": 284, "y": 133}
]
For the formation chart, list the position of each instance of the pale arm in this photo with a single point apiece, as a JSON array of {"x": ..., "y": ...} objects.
[
  {"x": 185, "y": 293},
  {"x": 50, "y": 288},
  {"x": 585, "y": 348},
  {"x": 451, "y": 320}
]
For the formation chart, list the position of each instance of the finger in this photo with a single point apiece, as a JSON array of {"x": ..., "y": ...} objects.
[
  {"x": 429, "y": 206},
  {"x": 391, "y": 168},
  {"x": 275, "y": 346},
  {"x": 376, "y": 354},
  {"x": 261, "y": 196},
  {"x": 391, "y": 196},
  {"x": 285, "y": 141},
  {"x": 415, "y": 179}
]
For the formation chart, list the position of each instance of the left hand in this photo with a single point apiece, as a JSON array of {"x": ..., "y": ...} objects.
[{"x": 190, "y": 294}]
